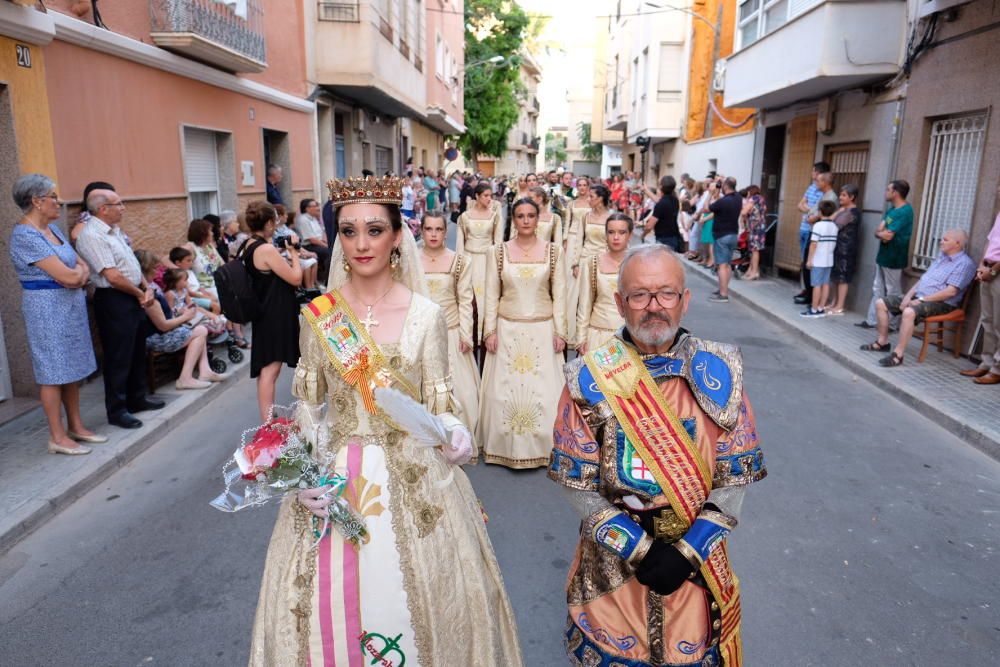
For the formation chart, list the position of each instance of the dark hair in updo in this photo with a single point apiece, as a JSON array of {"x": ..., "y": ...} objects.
[
  {"x": 258, "y": 214},
  {"x": 483, "y": 187},
  {"x": 525, "y": 201},
  {"x": 622, "y": 217},
  {"x": 602, "y": 192}
]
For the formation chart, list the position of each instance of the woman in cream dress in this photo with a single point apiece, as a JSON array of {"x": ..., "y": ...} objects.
[
  {"x": 597, "y": 318},
  {"x": 578, "y": 208},
  {"x": 525, "y": 335},
  {"x": 589, "y": 240},
  {"x": 423, "y": 587},
  {"x": 449, "y": 285},
  {"x": 480, "y": 227},
  {"x": 550, "y": 227}
]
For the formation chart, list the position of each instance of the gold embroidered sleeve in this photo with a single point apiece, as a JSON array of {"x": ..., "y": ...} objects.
[
  {"x": 435, "y": 373},
  {"x": 558, "y": 281},
  {"x": 309, "y": 383},
  {"x": 497, "y": 227},
  {"x": 557, "y": 230},
  {"x": 491, "y": 300},
  {"x": 460, "y": 234},
  {"x": 463, "y": 294}
]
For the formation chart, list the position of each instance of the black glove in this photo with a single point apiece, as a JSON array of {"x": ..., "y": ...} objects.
[{"x": 664, "y": 568}]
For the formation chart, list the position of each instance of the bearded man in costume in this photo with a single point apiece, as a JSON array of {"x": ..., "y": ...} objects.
[{"x": 655, "y": 442}]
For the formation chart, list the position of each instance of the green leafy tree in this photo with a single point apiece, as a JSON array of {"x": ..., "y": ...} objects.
[
  {"x": 492, "y": 92},
  {"x": 591, "y": 151},
  {"x": 555, "y": 149}
]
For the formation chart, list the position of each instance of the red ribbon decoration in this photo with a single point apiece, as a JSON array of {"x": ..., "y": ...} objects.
[{"x": 360, "y": 376}]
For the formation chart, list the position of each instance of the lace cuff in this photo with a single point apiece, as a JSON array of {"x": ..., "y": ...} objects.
[{"x": 309, "y": 384}]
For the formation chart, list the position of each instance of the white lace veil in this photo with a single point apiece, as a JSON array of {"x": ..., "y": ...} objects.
[{"x": 410, "y": 272}]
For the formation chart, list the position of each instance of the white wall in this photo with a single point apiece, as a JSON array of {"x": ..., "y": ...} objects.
[{"x": 733, "y": 156}]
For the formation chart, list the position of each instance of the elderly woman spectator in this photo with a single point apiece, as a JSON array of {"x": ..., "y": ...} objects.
[
  {"x": 220, "y": 243},
  {"x": 754, "y": 219},
  {"x": 177, "y": 333},
  {"x": 848, "y": 221},
  {"x": 55, "y": 311}
]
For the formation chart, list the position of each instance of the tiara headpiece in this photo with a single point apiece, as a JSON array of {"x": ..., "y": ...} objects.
[{"x": 366, "y": 190}]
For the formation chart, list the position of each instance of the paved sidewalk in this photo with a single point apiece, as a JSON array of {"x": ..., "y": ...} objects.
[
  {"x": 36, "y": 485},
  {"x": 934, "y": 388}
]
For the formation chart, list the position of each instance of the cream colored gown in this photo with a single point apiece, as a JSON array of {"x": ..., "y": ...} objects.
[
  {"x": 597, "y": 317},
  {"x": 475, "y": 236},
  {"x": 426, "y": 581},
  {"x": 452, "y": 290},
  {"x": 574, "y": 248},
  {"x": 523, "y": 380},
  {"x": 550, "y": 230}
]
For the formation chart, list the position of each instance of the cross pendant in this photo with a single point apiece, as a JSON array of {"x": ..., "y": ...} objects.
[{"x": 369, "y": 321}]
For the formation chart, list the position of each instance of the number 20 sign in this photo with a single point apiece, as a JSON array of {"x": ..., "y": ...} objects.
[{"x": 23, "y": 55}]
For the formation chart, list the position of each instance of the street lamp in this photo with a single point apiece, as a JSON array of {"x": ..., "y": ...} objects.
[{"x": 492, "y": 60}]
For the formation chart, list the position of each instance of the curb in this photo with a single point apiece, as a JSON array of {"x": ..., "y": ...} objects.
[
  {"x": 129, "y": 449},
  {"x": 982, "y": 441}
]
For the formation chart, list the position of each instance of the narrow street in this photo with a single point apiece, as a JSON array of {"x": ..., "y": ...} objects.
[{"x": 873, "y": 540}]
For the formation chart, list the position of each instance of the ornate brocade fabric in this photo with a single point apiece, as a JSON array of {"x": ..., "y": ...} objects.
[{"x": 451, "y": 590}]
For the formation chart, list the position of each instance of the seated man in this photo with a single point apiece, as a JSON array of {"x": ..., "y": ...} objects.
[{"x": 939, "y": 291}]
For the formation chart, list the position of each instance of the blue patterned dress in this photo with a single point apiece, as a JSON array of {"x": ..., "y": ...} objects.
[{"x": 55, "y": 316}]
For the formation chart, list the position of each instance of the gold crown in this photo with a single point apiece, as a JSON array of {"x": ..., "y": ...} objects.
[{"x": 366, "y": 190}]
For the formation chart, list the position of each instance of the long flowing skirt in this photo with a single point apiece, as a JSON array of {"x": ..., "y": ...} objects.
[
  {"x": 572, "y": 302},
  {"x": 477, "y": 265},
  {"x": 519, "y": 395},
  {"x": 424, "y": 589},
  {"x": 464, "y": 381}
]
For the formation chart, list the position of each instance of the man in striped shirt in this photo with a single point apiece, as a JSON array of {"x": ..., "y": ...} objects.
[{"x": 939, "y": 291}]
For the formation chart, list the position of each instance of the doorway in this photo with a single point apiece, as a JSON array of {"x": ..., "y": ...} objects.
[{"x": 276, "y": 152}]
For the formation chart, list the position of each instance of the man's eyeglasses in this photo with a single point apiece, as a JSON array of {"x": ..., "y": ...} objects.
[
  {"x": 120, "y": 204},
  {"x": 640, "y": 300}
]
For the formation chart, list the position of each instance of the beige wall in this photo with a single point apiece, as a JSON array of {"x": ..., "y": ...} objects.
[
  {"x": 136, "y": 141},
  {"x": 444, "y": 18},
  {"x": 426, "y": 146},
  {"x": 283, "y": 35}
]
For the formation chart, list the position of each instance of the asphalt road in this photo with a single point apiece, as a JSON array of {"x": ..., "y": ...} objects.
[{"x": 873, "y": 541}]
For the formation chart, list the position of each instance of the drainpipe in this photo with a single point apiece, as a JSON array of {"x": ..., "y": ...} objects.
[{"x": 897, "y": 130}]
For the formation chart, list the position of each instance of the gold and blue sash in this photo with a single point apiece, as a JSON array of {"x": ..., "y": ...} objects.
[
  {"x": 351, "y": 349},
  {"x": 671, "y": 456}
]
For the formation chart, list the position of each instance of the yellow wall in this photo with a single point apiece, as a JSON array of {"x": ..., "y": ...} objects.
[
  {"x": 30, "y": 101},
  {"x": 702, "y": 63}
]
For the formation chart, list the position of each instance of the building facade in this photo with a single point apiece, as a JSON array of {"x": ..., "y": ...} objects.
[
  {"x": 181, "y": 104},
  {"x": 871, "y": 105},
  {"x": 387, "y": 83},
  {"x": 662, "y": 90}
]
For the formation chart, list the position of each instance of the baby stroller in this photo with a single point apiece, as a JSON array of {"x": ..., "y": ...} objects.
[
  {"x": 234, "y": 353},
  {"x": 741, "y": 256}
]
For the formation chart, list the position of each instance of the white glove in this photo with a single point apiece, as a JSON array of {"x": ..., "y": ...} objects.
[
  {"x": 316, "y": 500},
  {"x": 460, "y": 450}
]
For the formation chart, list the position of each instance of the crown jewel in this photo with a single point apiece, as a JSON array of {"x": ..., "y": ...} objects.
[{"x": 366, "y": 190}]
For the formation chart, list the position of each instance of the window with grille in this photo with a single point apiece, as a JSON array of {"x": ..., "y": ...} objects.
[
  {"x": 849, "y": 164},
  {"x": 341, "y": 12},
  {"x": 950, "y": 181},
  {"x": 383, "y": 160}
]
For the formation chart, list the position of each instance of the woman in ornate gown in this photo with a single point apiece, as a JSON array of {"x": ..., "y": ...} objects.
[
  {"x": 578, "y": 208},
  {"x": 597, "y": 318},
  {"x": 480, "y": 227},
  {"x": 589, "y": 240},
  {"x": 449, "y": 285},
  {"x": 550, "y": 226},
  {"x": 424, "y": 587},
  {"x": 522, "y": 376}
]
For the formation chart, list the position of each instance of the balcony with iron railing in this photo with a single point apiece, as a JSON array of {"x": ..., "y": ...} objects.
[{"x": 209, "y": 31}]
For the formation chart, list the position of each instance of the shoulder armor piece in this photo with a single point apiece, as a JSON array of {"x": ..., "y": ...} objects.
[{"x": 714, "y": 372}]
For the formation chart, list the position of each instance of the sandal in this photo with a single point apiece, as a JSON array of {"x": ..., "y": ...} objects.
[
  {"x": 241, "y": 342},
  {"x": 875, "y": 347},
  {"x": 890, "y": 360}
]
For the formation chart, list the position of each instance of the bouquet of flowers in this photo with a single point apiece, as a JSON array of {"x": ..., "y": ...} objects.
[{"x": 278, "y": 460}]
